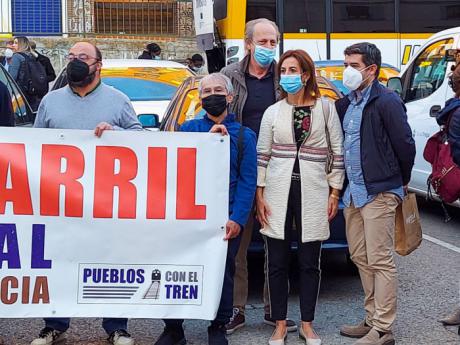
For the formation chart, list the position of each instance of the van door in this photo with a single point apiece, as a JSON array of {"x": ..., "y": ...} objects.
[{"x": 425, "y": 86}]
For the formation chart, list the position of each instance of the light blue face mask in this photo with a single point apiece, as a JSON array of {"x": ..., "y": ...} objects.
[
  {"x": 291, "y": 83},
  {"x": 157, "y": 57},
  {"x": 264, "y": 56}
]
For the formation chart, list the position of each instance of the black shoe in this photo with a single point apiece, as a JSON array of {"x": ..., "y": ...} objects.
[
  {"x": 217, "y": 335},
  {"x": 172, "y": 336}
]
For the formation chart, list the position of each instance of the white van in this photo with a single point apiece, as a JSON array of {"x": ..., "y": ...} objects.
[{"x": 423, "y": 85}]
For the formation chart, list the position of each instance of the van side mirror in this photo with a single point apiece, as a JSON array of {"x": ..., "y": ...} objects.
[
  {"x": 434, "y": 110},
  {"x": 395, "y": 84},
  {"x": 149, "y": 120}
]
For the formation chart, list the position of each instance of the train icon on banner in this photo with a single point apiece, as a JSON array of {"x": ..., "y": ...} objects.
[{"x": 154, "y": 290}]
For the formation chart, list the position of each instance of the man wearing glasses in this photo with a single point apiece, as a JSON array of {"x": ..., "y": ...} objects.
[{"x": 86, "y": 103}]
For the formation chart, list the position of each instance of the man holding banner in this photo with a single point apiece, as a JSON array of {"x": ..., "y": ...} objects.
[
  {"x": 86, "y": 103},
  {"x": 216, "y": 92}
]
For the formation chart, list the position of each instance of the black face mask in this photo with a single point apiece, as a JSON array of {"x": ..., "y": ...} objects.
[
  {"x": 78, "y": 73},
  {"x": 214, "y": 105}
]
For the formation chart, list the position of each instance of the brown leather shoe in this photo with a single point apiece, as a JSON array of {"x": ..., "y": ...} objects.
[
  {"x": 374, "y": 338},
  {"x": 355, "y": 331},
  {"x": 453, "y": 319}
]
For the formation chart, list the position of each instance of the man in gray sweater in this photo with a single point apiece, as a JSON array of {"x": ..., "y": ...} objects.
[{"x": 86, "y": 103}]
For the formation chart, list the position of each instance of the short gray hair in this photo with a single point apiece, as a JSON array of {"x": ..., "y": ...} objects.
[
  {"x": 222, "y": 78},
  {"x": 250, "y": 26}
]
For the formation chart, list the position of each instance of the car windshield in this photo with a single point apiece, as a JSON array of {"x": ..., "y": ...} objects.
[
  {"x": 141, "y": 89},
  {"x": 145, "y": 84}
]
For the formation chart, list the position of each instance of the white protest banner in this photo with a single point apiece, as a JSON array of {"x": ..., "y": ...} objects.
[{"x": 127, "y": 225}]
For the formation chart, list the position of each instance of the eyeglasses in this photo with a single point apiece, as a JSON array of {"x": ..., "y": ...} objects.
[{"x": 81, "y": 57}]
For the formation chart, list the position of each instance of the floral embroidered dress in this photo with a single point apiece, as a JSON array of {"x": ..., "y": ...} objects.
[{"x": 302, "y": 121}]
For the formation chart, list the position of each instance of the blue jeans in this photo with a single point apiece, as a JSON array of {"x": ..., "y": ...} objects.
[
  {"x": 225, "y": 311},
  {"x": 110, "y": 325}
]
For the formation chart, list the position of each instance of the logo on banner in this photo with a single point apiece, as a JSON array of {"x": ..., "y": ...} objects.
[
  {"x": 149, "y": 284},
  {"x": 154, "y": 290}
]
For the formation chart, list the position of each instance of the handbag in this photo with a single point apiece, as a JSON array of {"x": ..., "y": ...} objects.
[
  {"x": 445, "y": 175},
  {"x": 408, "y": 230},
  {"x": 330, "y": 153}
]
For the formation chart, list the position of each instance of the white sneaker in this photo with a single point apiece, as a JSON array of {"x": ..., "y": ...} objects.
[
  {"x": 120, "y": 337},
  {"x": 48, "y": 336}
]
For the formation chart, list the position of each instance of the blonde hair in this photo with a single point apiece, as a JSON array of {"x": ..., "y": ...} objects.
[{"x": 23, "y": 44}]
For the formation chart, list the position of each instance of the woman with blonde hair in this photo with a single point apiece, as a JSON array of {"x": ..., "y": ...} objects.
[
  {"x": 300, "y": 175},
  {"x": 23, "y": 54}
]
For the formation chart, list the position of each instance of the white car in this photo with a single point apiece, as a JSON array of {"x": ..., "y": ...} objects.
[
  {"x": 423, "y": 85},
  {"x": 149, "y": 84}
]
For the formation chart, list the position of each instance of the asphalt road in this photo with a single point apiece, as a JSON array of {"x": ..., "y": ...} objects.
[{"x": 429, "y": 287}]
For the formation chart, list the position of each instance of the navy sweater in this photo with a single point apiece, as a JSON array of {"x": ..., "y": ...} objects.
[{"x": 387, "y": 146}]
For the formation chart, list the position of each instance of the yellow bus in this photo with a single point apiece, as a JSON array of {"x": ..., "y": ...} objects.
[{"x": 324, "y": 28}]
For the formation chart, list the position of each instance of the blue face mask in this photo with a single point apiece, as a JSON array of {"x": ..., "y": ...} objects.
[
  {"x": 291, "y": 83},
  {"x": 264, "y": 56}
]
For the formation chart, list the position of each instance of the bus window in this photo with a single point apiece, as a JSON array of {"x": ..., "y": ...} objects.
[
  {"x": 429, "y": 70},
  {"x": 261, "y": 9},
  {"x": 363, "y": 16},
  {"x": 305, "y": 16},
  {"x": 220, "y": 9},
  {"x": 428, "y": 16}
]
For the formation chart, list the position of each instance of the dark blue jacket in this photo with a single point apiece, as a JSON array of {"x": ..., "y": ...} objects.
[
  {"x": 387, "y": 146},
  {"x": 6, "y": 109},
  {"x": 243, "y": 184},
  {"x": 452, "y": 108}
]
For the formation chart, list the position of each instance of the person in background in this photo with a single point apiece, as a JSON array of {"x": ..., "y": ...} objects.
[
  {"x": 152, "y": 51},
  {"x": 86, "y": 103},
  {"x": 379, "y": 153},
  {"x": 23, "y": 54},
  {"x": 255, "y": 81},
  {"x": 295, "y": 185},
  {"x": 197, "y": 64},
  {"x": 450, "y": 115},
  {"x": 216, "y": 92},
  {"x": 7, "y": 58},
  {"x": 6, "y": 108},
  {"x": 45, "y": 61}
]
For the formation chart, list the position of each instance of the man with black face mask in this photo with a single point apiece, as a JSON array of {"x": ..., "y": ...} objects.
[
  {"x": 86, "y": 103},
  {"x": 216, "y": 92}
]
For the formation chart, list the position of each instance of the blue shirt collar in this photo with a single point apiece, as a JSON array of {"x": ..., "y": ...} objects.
[
  {"x": 230, "y": 118},
  {"x": 358, "y": 95}
]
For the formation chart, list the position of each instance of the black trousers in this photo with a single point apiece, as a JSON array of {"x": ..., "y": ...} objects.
[
  {"x": 308, "y": 255},
  {"x": 224, "y": 313}
]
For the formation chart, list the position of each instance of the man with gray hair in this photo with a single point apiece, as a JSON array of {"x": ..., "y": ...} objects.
[
  {"x": 216, "y": 92},
  {"x": 256, "y": 84}
]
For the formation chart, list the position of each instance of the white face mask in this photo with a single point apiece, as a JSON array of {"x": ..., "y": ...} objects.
[
  {"x": 8, "y": 53},
  {"x": 352, "y": 78}
]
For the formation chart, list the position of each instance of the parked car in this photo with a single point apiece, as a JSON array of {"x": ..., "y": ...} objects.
[
  {"x": 149, "y": 84},
  {"x": 23, "y": 114},
  {"x": 423, "y": 86},
  {"x": 333, "y": 70},
  {"x": 186, "y": 105}
]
